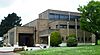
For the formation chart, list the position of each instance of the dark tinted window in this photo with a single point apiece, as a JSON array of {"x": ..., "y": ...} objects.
[
  {"x": 54, "y": 16},
  {"x": 73, "y": 17},
  {"x": 78, "y": 27},
  {"x": 58, "y": 16},
  {"x": 72, "y": 26},
  {"x": 61, "y": 26}
]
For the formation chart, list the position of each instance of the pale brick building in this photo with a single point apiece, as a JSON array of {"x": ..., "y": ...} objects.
[{"x": 38, "y": 30}]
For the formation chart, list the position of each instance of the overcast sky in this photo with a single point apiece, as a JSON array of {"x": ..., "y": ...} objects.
[{"x": 29, "y": 9}]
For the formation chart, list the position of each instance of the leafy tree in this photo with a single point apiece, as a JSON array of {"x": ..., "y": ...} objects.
[
  {"x": 9, "y": 22},
  {"x": 90, "y": 18},
  {"x": 55, "y": 38}
]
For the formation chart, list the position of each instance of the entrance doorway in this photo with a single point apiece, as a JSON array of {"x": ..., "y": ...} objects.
[
  {"x": 44, "y": 40},
  {"x": 26, "y": 39}
]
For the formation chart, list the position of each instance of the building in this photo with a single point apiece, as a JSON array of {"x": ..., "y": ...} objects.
[{"x": 65, "y": 22}]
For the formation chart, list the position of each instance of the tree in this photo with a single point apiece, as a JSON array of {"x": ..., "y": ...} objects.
[
  {"x": 55, "y": 38},
  {"x": 9, "y": 22},
  {"x": 90, "y": 18}
]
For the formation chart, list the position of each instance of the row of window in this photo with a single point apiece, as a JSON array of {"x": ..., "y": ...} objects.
[
  {"x": 62, "y": 16},
  {"x": 65, "y": 26}
]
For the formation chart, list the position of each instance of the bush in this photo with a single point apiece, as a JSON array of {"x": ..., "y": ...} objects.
[
  {"x": 55, "y": 39},
  {"x": 72, "y": 41}
]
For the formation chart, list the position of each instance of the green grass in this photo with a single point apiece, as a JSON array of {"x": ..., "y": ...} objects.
[{"x": 81, "y": 50}]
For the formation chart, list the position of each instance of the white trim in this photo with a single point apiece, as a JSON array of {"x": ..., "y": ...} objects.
[
  {"x": 49, "y": 40},
  {"x": 69, "y": 16},
  {"x": 76, "y": 26},
  {"x": 45, "y": 35},
  {"x": 68, "y": 28}
]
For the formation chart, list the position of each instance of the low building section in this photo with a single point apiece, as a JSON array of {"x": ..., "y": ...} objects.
[{"x": 20, "y": 36}]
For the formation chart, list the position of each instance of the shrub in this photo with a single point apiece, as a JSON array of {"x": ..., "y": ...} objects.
[
  {"x": 55, "y": 38},
  {"x": 72, "y": 41}
]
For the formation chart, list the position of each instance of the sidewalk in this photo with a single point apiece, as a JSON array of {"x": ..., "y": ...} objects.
[
  {"x": 6, "y": 49},
  {"x": 10, "y": 53},
  {"x": 11, "y": 49}
]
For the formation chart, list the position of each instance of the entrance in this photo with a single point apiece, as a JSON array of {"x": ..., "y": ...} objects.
[
  {"x": 44, "y": 40},
  {"x": 26, "y": 39}
]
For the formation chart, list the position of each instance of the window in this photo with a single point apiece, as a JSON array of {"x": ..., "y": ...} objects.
[
  {"x": 62, "y": 38},
  {"x": 51, "y": 16},
  {"x": 78, "y": 27},
  {"x": 58, "y": 16},
  {"x": 78, "y": 39},
  {"x": 89, "y": 38},
  {"x": 62, "y": 16},
  {"x": 55, "y": 16},
  {"x": 86, "y": 39},
  {"x": 56, "y": 26},
  {"x": 72, "y": 26},
  {"x": 66, "y": 17},
  {"x": 82, "y": 39},
  {"x": 72, "y": 17},
  {"x": 49, "y": 27},
  {"x": 61, "y": 26}
]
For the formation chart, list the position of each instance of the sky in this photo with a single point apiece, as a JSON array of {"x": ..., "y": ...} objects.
[{"x": 28, "y": 10}]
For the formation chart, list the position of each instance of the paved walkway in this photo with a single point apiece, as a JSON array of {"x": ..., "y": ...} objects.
[
  {"x": 9, "y": 50},
  {"x": 6, "y": 49},
  {"x": 10, "y": 53}
]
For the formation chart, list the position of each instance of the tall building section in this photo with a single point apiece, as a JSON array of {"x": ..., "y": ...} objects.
[{"x": 65, "y": 22}]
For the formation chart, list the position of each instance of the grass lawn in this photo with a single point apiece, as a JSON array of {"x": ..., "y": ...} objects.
[{"x": 80, "y": 50}]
